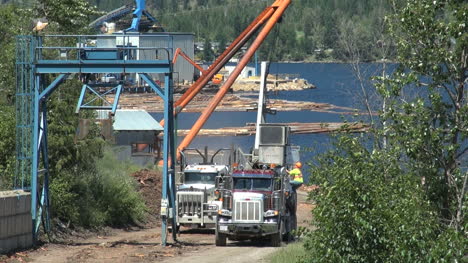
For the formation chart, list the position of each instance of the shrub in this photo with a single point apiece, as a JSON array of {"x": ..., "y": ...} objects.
[
  {"x": 107, "y": 196},
  {"x": 370, "y": 210}
]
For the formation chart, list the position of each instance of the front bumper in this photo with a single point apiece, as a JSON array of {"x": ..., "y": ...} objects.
[
  {"x": 208, "y": 218},
  {"x": 247, "y": 229}
]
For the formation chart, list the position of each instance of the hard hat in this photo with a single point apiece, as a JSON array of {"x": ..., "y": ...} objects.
[{"x": 298, "y": 164}]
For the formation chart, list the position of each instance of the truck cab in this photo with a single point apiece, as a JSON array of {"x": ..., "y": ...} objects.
[
  {"x": 196, "y": 200},
  {"x": 257, "y": 204}
]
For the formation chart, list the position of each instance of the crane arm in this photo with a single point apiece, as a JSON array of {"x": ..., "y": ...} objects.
[
  {"x": 181, "y": 53},
  {"x": 233, "y": 48},
  {"x": 279, "y": 8}
]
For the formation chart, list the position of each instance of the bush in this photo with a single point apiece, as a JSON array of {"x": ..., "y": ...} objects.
[
  {"x": 7, "y": 147},
  {"x": 107, "y": 196},
  {"x": 371, "y": 210}
]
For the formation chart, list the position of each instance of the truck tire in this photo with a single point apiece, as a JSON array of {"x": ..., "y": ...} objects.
[
  {"x": 220, "y": 239},
  {"x": 276, "y": 238}
]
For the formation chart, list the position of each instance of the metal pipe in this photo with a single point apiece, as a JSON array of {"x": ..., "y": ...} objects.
[
  {"x": 281, "y": 7},
  {"x": 224, "y": 57},
  {"x": 221, "y": 60},
  {"x": 179, "y": 52}
]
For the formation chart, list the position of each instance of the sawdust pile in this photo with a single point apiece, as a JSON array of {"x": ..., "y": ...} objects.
[{"x": 150, "y": 186}]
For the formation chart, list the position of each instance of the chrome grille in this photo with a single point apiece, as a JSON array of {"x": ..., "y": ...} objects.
[
  {"x": 189, "y": 203},
  {"x": 248, "y": 211}
]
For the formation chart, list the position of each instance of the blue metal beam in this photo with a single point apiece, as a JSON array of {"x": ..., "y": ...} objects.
[
  {"x": 153, "y": 85},
  {"x": 53, "y": 85},
  {"x": 102, "y": 66},
  {"x": 81, "y": 99},
  {"x": 140, "y": 7},
  {"x": 35, "y": 154},
  {"x": 111, "y": 106},
  {"x": 116, "y": 99}
]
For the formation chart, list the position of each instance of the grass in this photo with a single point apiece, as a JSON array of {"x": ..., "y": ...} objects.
[{"x": 292, "y": 253}]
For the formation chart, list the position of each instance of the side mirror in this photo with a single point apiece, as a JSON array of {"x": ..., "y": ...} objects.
[{"x": 179, "y": 178}]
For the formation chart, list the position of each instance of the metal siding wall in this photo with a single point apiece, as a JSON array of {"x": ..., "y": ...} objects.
[
  {"x": 183, "y": 41},
  {"x": 162, "y": 41},
  {"x": 183, "y": 67}
]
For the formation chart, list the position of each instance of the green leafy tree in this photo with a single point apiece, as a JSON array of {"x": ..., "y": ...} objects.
[
  {"x": 399, "y": 195},
  {"x": 432, "y": 130},
  {"x": 83, "y": 188},
  {"x": 208, "y": 54},
  {"x": 369, "y": 209},
  {"x": 67, "y": 16},
  {"x": 7, "y": 146},
  {"x": 13, "y": 23}
]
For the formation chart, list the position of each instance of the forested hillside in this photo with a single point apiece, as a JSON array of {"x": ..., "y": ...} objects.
[{"x": 310, "y": 30}]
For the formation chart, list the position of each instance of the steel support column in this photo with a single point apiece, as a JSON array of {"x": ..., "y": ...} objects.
[{"x": 168, "y": 183}]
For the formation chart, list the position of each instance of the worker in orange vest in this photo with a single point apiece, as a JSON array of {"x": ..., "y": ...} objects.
[{"x": 296, "y": 174}]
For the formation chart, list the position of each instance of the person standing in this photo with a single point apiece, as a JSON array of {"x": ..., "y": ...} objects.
[{"x": 296, "y": 174}]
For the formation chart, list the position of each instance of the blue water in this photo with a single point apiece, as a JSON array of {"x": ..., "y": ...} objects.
[{"x": 336, "y": 84}]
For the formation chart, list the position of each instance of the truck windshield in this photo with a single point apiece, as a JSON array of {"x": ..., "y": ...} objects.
[
  {"x": 200, "y": 178},
  {"x": 259, "y": 184}
]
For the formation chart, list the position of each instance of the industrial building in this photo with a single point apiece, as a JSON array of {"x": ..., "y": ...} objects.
[
  {"x": 135, "y": 135},
  {"x": 165, "y": 44}
]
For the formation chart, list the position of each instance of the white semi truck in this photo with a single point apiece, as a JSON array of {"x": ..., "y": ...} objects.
[{"x": 197, "y": 201}]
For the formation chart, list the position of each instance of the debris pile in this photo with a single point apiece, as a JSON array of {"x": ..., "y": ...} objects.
[{"x": 150, "y": 185}]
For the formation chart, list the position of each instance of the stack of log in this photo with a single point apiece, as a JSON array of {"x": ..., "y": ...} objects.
[{"x": 296, "y": 128}]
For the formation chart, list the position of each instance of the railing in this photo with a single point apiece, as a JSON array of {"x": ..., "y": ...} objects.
[{"x": 104, "y": 47}]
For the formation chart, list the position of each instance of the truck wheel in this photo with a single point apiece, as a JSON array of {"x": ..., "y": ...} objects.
[
  {"x": 220, "y": 239},
  {"x": 277, "y": 237},
  {"x": 276, "y": 240}
]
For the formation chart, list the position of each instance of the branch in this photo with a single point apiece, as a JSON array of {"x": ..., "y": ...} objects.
[{"x": 461, "y": 198}]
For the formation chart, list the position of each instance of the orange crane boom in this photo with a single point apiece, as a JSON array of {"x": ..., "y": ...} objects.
[
  {"x": 273, "y": 13},
  {"x": 179, "y": 52},
  {"x": 222, "y": 59}
]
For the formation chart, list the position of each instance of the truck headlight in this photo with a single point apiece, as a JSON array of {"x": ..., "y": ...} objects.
[
  {"x": 224, "y": 212},
  {"x": 270, "y": 213}
]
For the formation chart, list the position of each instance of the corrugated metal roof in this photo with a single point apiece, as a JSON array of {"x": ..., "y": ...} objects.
[{"x": 135, "y": 120}]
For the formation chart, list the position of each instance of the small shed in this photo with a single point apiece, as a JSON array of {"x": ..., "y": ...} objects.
[
  {"x": 136, "y": 136},
  {"x": 247, "y": 72}
]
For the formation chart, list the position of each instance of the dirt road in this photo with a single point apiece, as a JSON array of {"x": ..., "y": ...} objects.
[{"x": 144, "y": 246}]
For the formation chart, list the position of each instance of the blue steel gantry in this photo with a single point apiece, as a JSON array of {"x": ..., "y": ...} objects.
[{"x": 38, "y": 56}]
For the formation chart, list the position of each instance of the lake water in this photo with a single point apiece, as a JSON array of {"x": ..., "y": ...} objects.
[{"x": 336, "y": 84}]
